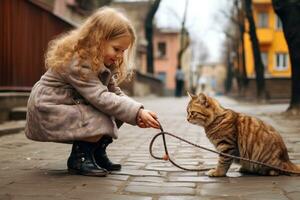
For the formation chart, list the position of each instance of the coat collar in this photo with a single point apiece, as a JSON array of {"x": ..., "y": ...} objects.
[{"x": 104, "y": 74}]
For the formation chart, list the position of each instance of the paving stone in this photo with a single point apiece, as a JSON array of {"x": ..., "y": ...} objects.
[
  {"x": 131, "y": 167},
  {"x": 160, "y": 190},
  {"x": 30, "y": 197},
  {"x": 269, "y": 195},
  {"x": 94, "y": 195},
  {"x": 179, "y": 198},
  {"x": 200, "y": 179},
  {"x": 290, "y": 185},
  {"x": 183, "y": 173},
  {"x": 163, "y": 168},
  {"x": 118, "y": 177},
  {"x": 194, "y": 159},
  {"x": 136, "y": 172},
  {"x": 196, "y": 197},
  {"x": 163, "y": 184},
  {"x": 225, "y": 189},
  {"x": 36, "y": 189},
  {"x": 293, "y": 195},
  {"x": 149, "y": 179},
  {"x": 140, "y": 164}
]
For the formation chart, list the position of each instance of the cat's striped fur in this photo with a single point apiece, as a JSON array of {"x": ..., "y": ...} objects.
[{"x": 240, "y": 135}]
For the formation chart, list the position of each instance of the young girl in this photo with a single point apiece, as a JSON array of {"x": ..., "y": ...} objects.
[{"x": 77, "y": 100}]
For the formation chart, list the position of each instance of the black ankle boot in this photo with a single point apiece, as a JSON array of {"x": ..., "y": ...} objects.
[
  {"x": 82, "y": 161},
  {"x": 101, "y": 157}
]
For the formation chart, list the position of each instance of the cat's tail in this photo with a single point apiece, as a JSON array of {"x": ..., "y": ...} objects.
[{"x": 292, "y": 168}]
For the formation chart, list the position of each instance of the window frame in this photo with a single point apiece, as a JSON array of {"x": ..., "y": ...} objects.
[
  {"x": 281, "y": 61},
  {"x": 161, "y": 52},
  {"x": 277, "y": 22},
  {"x": 263, "y": 23}
]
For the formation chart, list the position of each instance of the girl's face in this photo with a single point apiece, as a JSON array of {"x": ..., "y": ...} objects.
[{"x": 114, "y": 49}]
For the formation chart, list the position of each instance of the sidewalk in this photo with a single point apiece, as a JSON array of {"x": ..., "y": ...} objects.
[{"x": 34, "y": 170}]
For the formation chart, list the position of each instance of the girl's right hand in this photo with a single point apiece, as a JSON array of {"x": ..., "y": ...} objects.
[{"x": 147, "y": 119}]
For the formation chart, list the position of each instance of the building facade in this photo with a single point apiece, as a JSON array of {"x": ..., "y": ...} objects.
[
  {"x": 166, "y": 45},
  {"x": 273, "y": 47},
  {"x": 274, "y": 53}
]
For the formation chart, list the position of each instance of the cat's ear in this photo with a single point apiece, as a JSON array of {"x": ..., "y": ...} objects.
[
  {"x": 203, "y": 99},
  {"x": 192, "y": 96}
]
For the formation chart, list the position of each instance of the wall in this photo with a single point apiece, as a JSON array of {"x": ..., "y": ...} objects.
[{"x": 25, "y": 30}]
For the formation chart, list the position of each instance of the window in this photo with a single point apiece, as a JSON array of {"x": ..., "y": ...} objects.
[
  {"x": 281, "y": 61},
  {"x": 263, "y": 19},
  {"x": 264, "y": 57},
  {"x": 161, "y": 49},
  {"x": 278, "y": 23}
]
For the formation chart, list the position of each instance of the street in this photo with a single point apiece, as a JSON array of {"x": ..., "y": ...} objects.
[{"x": 36, "y": 170}]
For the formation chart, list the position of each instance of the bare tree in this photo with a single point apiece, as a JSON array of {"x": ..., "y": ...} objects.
[
  {"x": 184, "y": 34},
  {"x": 289, "y": 13},
  {"x": 184, "y": 37},
  {"x": 258, "y": 64},
  {"x": 184, "y": 44},
  {"x": 235, "y": 45},
  {"x": 200, "y": 54},
  {"x": 240, "y": 15},
  {"x": 230, "y": 47},
  {"x": 149, "y": 34}
]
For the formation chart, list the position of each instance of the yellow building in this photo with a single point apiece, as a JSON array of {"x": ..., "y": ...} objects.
[{"x": 273, "y": 47}]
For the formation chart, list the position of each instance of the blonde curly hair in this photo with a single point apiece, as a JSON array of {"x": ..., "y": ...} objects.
[{"x": 86, "y": 43}]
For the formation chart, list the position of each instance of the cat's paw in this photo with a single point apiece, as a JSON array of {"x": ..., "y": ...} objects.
[
  {"x": 273, "y": 173},
  {"x": 215, "y": 173}
]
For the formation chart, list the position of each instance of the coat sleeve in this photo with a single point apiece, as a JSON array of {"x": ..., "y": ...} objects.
[{"x": 87, "y": 83}]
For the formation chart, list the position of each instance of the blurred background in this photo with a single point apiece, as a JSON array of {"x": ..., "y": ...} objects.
[{"x": 231, "y": 47}]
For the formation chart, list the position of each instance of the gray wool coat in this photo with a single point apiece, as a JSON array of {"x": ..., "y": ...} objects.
[{"x": 64, "y": 107}]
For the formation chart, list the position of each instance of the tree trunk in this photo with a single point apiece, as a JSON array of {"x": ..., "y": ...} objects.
[
  {"x": 149, "y": 35},
  {"x": 184, "y": 45},
  {"x": 258, "y": 64},
  {"x": 289, "y": 13},
  {"x": 242, "y": 31},
  {"x": 229, "y": 74},
  {"x": 184, "y": 37}
]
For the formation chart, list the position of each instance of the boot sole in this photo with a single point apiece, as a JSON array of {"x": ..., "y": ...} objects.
[
  {"x": 77, "y": 172},
  {"x": 112, "y": 170}
]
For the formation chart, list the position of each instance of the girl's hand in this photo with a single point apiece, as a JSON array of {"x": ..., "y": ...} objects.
[{"x": 147, "y": 119}]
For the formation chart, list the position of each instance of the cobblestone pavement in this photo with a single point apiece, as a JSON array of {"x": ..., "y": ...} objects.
[{"x": 34, "y": 170}]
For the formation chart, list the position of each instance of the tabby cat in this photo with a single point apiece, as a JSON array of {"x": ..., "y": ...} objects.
[{"x": 240, "y": 135}]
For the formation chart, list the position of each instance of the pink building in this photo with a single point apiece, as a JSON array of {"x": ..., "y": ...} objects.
[
  {"x": 166, "y": 44},
  {"x": 166, "y": 47}
]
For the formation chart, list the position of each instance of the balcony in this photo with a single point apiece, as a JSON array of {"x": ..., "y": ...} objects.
[
  {"x": 265, "y": 35},
  {"x": 262, "y": 1}
]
